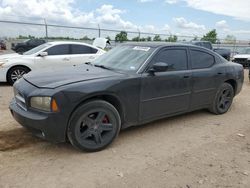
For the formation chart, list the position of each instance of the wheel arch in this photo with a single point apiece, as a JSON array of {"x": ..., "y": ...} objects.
[
  {"x": 233, "y": 83},
  {"x": 108, "y": 97},
  {"x": 17, "y": 65}
]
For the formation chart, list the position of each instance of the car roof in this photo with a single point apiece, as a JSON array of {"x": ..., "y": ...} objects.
[
  {"x": 159, "y": 44},
  {"x": 69, "y": 42}
]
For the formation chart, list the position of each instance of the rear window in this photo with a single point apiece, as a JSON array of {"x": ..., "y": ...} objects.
[
  {"x": 201, "y": 59},
  {"x": 82, "y": 49}
]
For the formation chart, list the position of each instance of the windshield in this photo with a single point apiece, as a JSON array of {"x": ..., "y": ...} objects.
[
  {"x": 245, "y": 51},
  {"x": 37, "y": 49},
  {"x": 125, "y": 58}
]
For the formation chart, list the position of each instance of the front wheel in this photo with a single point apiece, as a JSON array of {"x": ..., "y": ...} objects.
[
  {"x": 223, "y": 99},
  {"x": 16, "y": 73},
  {"x": 94, "y": 125}
]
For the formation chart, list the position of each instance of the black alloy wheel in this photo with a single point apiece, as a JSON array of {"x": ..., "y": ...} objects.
[
  {"x": 94, "y": 126},
  {"x": 223, "y": 99}
]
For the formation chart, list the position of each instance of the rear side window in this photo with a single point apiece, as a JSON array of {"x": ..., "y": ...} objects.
[
  {"x": 82, "y": 49},
  {"x": 175, "y": 58},
  {"x": 201, "y": 59},
  {"x": 62, "y": 49}
]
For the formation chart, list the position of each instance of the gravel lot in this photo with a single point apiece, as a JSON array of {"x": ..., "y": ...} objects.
[{"x": 198, "y": 149}]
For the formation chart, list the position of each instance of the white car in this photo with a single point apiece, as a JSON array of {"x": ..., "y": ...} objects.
[
  {"x": 53, "y": 55},
  {"x": 243, "y": 58}
]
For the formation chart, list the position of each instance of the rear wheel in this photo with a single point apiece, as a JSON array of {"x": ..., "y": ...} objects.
[
  {"x": 94, "y": 125},
  {"x": 16, "y": 73},
  {"x": 223, "y": 99}
]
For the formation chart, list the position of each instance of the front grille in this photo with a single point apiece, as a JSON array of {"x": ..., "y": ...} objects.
[{"x": 20, "y": 100}]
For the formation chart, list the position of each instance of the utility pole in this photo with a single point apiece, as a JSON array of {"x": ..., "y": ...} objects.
[
  {"x": 139, "y": 33},
  {"x": 46, "y": 29},
  {"x": 99, "y": 31}
]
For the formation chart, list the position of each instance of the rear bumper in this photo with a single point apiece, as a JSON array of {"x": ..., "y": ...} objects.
[{"x": 49, "y": 126}]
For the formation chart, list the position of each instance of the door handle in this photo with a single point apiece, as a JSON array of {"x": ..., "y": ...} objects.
[
  {"x": 186, "y": 76},
  {"x": 91, "y": 57},
  {"x": 219, "y": 73}
]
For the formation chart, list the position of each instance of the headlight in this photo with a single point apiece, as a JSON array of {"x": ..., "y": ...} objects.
[
  {"x": 47, "y": 104},
  {"x": 41, "y": 103}
]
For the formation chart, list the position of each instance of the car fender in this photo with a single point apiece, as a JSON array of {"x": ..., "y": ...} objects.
[{"x": 99, "y": 95}]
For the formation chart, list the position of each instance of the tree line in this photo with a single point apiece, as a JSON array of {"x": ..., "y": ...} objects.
[{"x": 211, "y": 36}]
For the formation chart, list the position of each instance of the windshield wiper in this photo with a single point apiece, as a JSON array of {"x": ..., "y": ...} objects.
[{"x": 103, "y": 67}]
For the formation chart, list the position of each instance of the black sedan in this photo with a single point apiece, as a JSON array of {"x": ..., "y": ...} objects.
[
  {"x": 132, "y": 84},
  {"x": 29, "y": 44}
]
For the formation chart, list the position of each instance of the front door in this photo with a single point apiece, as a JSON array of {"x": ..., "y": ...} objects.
[
  {"x": 58, "y": 57},
  {"x": 164, "y": 93}
]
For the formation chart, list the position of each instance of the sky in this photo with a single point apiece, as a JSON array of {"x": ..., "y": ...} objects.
[{"x": 179, "y": 17}]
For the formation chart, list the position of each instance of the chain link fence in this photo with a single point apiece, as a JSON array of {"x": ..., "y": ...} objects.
[{"x": 10, "y": 30}]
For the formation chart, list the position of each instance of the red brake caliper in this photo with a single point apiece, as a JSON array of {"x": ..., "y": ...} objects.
[{"x": 105, "y": 119}]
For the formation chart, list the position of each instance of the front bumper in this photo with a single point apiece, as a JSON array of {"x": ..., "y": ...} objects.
[
  {"x": 3, "y": 74},
  {"x": 49, "y": 126}
]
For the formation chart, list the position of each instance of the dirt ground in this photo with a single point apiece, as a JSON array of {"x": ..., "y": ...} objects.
[{"x": 198, "y": 149}]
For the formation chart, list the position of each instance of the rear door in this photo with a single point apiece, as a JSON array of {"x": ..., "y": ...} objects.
[
  {"x": 81, "y": 53},
  {"x": 58, "y": 56},
  {"x": 204, "y": 77}
]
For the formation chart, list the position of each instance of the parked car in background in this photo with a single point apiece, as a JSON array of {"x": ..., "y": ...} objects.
[
  {"x": 2, "y": 45},
  {"x": 226, "y": 53},
  {"x": 22, "y": 47},
  {"x": 243, "y": 58},
  {"x": 132, "y": 84},
  {"x": 52, "y": 55}
]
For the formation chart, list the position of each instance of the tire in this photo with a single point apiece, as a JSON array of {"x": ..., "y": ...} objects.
[
  {"x": 94, "y": 126},
  {"x": 223, "y": 99},
  {"x": 16, "y": 73}
]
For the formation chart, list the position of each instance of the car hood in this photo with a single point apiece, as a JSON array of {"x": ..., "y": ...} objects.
[
  {"x": 245, "y": 56},
  {"x": 8, "y": 56},
  {"x": 55, "y": 78}
]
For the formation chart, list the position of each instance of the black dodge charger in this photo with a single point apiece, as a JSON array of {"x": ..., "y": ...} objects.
[{"x": 132, "y": 84}]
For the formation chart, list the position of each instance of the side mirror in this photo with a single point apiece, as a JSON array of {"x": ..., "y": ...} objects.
[
  {"x": 43, "y": 54},
  {"x": 159, "y": 67}
]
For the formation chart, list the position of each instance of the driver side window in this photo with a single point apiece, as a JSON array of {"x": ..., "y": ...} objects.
[
  {"x": 62, "y": 49},
  {"x": 175, "y": 58}
]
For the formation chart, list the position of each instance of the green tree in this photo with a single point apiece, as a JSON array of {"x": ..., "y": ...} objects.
[
  {"x": 172, "y": 38},
  {"x": 85, "y": 38},
  {"x": 26, "y": 37},
  {"x": 157, "y": 38},
  {"x": 149, "y": 38},
  {"x": 122, "y": 36},
  {"x": 136, "y": 39},
  {"x": 211, "y": 36},
  {"x": 143, "y": 39}
]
